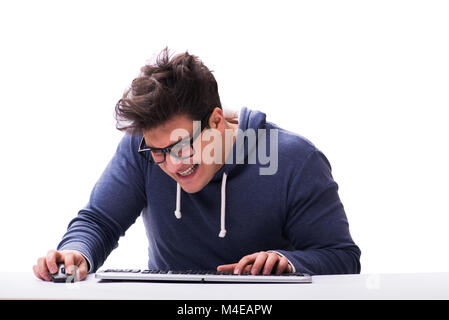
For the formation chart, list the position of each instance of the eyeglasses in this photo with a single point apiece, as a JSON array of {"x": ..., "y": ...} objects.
[{"x": 182, "y": 149}]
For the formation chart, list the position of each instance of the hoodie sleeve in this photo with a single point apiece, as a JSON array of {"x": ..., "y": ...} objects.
[
  {"x": 116, "y": 201},
  {"x": 316, "y": 223}
]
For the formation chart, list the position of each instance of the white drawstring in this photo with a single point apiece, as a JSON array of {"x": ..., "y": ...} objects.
[
  {"x": 222, "y": 233},
  {"x": 178, "y": 201}
]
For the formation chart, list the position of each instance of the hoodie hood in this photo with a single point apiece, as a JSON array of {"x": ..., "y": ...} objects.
[{"x": 247, "y": 119}]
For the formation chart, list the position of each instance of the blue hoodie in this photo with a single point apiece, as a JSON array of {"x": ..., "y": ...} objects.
[{"x": 296, "y": 211}]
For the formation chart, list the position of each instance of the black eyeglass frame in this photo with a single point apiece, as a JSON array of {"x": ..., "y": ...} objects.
[{"x": 145, "y": 151}]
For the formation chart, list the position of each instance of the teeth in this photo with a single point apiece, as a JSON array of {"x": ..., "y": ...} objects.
[{"x": 188, "y": 171}]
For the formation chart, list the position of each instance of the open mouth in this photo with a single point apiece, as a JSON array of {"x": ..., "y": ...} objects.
[{"x": 188, "y": 172}]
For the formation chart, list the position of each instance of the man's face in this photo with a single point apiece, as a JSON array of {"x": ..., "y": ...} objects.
[{"x": 193, "y": 173}]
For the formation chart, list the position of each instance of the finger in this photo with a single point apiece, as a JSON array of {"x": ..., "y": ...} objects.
[
  {"x": 53, "y": 257},
  {"x": 42, "y": 269},
  {"x": 81, "y": 273},
  {"x": 226, "y": 267},
  {"x": 79, "y": 258},
  {"x": 36, "y": 272},
  {"x": 230, "y": 268},
  {"x": 282, "y": 266},
  {"x": 69, "y": 262},
  {"x": 248, "y": 269},
  {"x": 259, "y": 263},
  {"x": 241, "y": 265},
  {"x": 289, "y": 267},
  {"x": 272, "y": 260}
]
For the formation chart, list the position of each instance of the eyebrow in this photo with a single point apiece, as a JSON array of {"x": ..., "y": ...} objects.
[{"x": 171, "y": 145}]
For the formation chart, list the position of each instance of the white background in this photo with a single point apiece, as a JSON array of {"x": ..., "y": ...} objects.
[{"x": 366, "y": 81}]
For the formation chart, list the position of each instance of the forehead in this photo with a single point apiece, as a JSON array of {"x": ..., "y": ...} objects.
[{"x": 159, "y": 137}]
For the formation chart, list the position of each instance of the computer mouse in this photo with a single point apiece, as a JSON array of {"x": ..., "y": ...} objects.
[{"x": 61, "y": 275}]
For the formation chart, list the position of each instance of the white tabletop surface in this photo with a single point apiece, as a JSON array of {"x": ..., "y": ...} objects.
[{"x": 363, "y": 286}]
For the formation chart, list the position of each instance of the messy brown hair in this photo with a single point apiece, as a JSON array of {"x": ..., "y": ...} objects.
[{"x": 178, "y": 85}]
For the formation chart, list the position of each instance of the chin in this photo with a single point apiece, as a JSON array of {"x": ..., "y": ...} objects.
[{"x": 190, "y": 189}]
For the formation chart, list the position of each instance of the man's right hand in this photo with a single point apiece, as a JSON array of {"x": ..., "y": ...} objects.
[{"x": 72, "y": 259}]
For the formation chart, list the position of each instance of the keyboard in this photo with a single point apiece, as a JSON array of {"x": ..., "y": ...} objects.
[{"x": 197, "y": 276}]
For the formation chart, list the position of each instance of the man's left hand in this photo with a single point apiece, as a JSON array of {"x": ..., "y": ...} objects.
[{"x": 259, "y": 262}]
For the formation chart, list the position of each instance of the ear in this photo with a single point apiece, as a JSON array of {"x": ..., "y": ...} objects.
[{"x": 216, "y": 119}]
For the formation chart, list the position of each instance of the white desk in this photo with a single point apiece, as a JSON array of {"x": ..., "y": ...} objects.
[{"x": 364, "y": 286}]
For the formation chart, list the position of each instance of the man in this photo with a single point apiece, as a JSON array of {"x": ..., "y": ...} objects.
[{"x": 209, "y": 195}]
